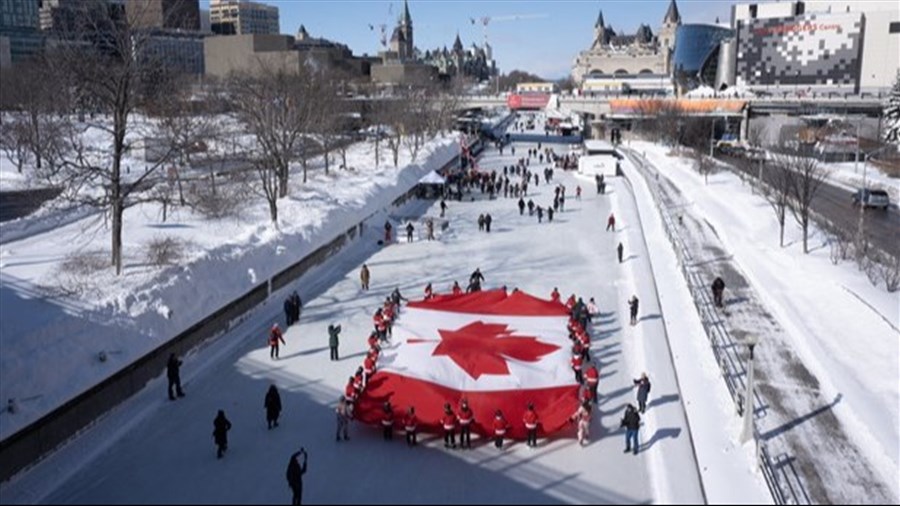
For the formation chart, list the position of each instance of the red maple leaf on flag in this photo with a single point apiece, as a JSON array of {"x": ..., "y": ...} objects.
[{"x": 482, "y": 348}]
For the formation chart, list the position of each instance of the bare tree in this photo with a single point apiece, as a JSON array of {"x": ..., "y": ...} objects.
[
  {"x": 104, "y": 57},
  {"x": 777, "y": 191},
  {"x": 806, "y": 178},
  {"x": 703, "y": 164},
  {"x": 393, "y": 113}
]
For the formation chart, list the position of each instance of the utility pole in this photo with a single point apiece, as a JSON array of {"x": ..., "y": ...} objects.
[{"x": 747, "y": 432}]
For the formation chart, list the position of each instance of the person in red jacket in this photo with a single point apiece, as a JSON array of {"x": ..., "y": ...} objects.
[
  {"x": 500, "y": 426},
  {"x": 576, "y": 364},
  {"x": 411, "y": 425},
  {"x": 373, "y": 339},
  {"x": 530, "y": 419},
  {"x": 592, "y": 378},
  {"x": 350, "y": 391},
  {"x": 554, "y": 296},
  {"x": 456, "y": 290},
  {"x": 429, "y": 292},
  {"x": 448, "y": 423},
  {"x": 466, "y": 418},
  {"x": 274, "y": 338},
  {"x": 368, "y": 368},
  {"x": 380, "y": 325},
  {"x": 570, "y": 302},
  {"x": 387, "y": 421},
  {"x": 611, "y": 223}
]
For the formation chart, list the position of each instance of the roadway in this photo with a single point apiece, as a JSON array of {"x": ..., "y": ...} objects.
[
  {"x": 16, "y": 204},
  {"x": 834, "y": 204}
]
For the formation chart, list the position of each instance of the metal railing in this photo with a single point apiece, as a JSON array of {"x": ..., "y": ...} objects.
[{"x": 779, "y": 473}]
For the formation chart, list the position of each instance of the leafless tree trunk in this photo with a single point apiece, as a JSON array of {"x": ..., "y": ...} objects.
[
  {"x": 806, "y": 177},
  {"x": 777, "y": 191},
  {"x": 703, "y": 164},
  {"x": 104, "y": 58}
]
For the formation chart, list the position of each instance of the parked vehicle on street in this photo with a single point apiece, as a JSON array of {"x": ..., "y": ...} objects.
[{"x": 871, "y": 198}]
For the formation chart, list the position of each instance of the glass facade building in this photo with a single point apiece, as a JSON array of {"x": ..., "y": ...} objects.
[
  {"x": 696, "y": 55},
  {"x": 20, "y": 22}
]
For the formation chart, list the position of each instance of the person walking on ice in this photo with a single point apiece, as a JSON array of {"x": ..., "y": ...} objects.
[
  {"x": 409, "y": 232},
  {"x": 611, "y": 222},
  {"x": 343, "y": 414},
  {"x": 273, "y": 406},
  {"x": 582, "y": 419},
  {"x": 620, "y": 250},
  {"x": 275, "y": 338},
  {"x": 221, "y": 426},
  {"x": 173, "y": 368},
  {"x": 633, "y": 308},
  {"x": 294, "y": 474},
  {"x": 718, "y": 289}
]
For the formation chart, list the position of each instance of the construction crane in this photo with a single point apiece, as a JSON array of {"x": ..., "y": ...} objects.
[{"x": 383, "y": 28}]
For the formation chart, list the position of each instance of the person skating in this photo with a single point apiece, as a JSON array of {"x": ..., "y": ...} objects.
[
  {"x": 592, "y": 380},
  {"x": 411, "y": 426},
  {"x": 387, "y": 421},
  {"x": 448, "y": 423},
  {"x": 643, "y": 386},
  {"x": 597, "y": 180},
  {"x": 466, "y": 418},
  {"x": 429, "y": 228},
  {"x": 294, "y": 474},
  {"x": 429, "y": 292},
  {"x": 530, "y": 207},
  {"x": 582, "y": 418},
  {"x": 554, "y": 296},
  {"x": 521, "y": 206},
  {"x": 364, "y": 277},
  {"x": 334, "y": 332},
  {"x": 620, "y": 250},
  {"x": 476, "y": 276},
  {"x": 221, "y": 426},
  {"x": 487, "y": 222},
  {"x": 530, "y": 419},
  {"x": 499, "y": 425},
  {"x": 443, "y": 207},
  {"x": 275, "y": 338},
  {"x": 409, "y": 232},
  {"x": 456, "y": 289},
  {"x": 718, "y": 288},
  {"x": 481, "y": 222},
  {"x": 633, "y": 303},
  {"x": 632, "y": 423},
  {"x": 273, "y": 406},
  {"x": 578, "y": 192},
  {"x": 549, "y": 214},
  {"x": 611, "y": 222},
  {"x": 540, "y": 213},
  {"x": 173, "y": 373},
  {"x": 343, "y": 413}
]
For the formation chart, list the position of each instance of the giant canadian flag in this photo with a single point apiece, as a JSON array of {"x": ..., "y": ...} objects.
[{"x": 498, "y": 351}]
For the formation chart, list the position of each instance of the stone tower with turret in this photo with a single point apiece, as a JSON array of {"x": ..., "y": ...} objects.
[{"x": 670, "y": 24}]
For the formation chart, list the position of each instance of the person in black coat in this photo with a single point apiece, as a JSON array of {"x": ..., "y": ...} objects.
[
  {"x": 521, "y": 206},
  {"x": 487, "y": 222},
  {"x": 173, "y": 373},
  {"x": 718, "y": 288},
  {"x": 632, "y": 422},
  {"x": 221, "y": 426},
  {"x": 288, "y": 312},
  {"x": 296, "y": 304},
  {"x": 295, "y": 472},
  {"x": 273, "y": 406}
]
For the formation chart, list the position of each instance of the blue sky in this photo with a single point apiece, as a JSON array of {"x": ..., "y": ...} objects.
[{"x": 545, "y": 42}]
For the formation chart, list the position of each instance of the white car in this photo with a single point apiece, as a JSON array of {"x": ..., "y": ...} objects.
[{"x": 871, "y": 198}]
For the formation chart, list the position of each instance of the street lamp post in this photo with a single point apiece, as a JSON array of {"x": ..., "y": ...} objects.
[{"x": 747, "y": 432}]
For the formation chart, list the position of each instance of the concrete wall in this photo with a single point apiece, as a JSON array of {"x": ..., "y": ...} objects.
[
  {"x": 403, "y": 73},
  {"x": 248, "y": 53}
]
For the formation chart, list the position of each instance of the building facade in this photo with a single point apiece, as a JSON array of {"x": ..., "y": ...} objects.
[
  {"x": 613, "y": 55},
  {"x": 20, "y": 23},
  {"x": 234, "y": 17},
  {"x": 177, "y": 51},
  {"x": 166, "y": 14},
  {"x": 475, "y": 62},
  {"x": 695, "y": 61}
]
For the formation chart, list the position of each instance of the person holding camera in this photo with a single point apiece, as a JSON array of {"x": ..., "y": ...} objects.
[{"x": 295, "y": 472}]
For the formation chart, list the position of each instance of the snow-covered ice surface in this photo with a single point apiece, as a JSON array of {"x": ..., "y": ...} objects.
[
  {"x": 50, "y": 341},
  {"x": 153, "y": 450},
  {"x": 827, "y": 391}
]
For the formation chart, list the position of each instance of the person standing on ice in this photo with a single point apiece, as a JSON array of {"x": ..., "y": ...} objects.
[
  {"x": 530, "y": 419},
  {"x": 487, "y": 222},
  {"x": 632, "y": 423},
  {"x": 530, "y": 207},
  {"x": 411, "y": 426},
  {"x": 456, "y": 289},
  {"x": 466, "y": 419},
  {"x": 448, "y": 423},
  {"x": 611, "y": 222},
  {"x": 343, "y": 413},
  {"x": 334, "y": 332},
  {"x": 273, "y": 406},
  {"x": 364, "y": 277},
  {"x": 275, "y": 338},
  {"x": 540, "y": 213},
  {"x": 643, "y": 386},
  {"x": 620, "y": 250},
  {"x": 582, "y": 419},
  {"x": 592, "y": 380},
  {"x": 521, "y": 206},
  {"x": 500, "y": 425},
  {"x": 294, "y": 474},
  {"x": 387, "y": 421},
  {"x": 443, "y": 207},
  {"x": 633, "y": 308},
  {"x": 288, "y": 311},
  {"x": 409, "y": 232},
  {"x": 387, "y": 231},
  {"x": 429, "y": 228},
  {"x": 481, "y": 222},
  {"x": 173, "y": 373},
  {"x": 221, "y": 426}
]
